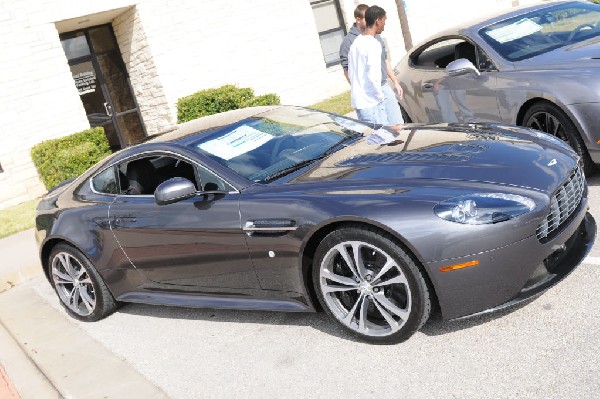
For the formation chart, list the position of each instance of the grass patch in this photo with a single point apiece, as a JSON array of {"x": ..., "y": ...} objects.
[
  {"x": 17, "y": 218},
  {"x": 339, "y": 104}
]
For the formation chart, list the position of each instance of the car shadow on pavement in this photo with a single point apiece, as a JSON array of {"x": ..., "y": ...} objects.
[
  {"x": 437, "y": 326},
  {"x": 320, "y": 321},
  {"x": 594, "y": 180}
]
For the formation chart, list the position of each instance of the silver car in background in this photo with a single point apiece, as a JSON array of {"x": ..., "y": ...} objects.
[{"x": 537, "y": 67}]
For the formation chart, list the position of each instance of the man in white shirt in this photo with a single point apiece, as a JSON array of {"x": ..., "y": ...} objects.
[{"x": 364, "y": 70}]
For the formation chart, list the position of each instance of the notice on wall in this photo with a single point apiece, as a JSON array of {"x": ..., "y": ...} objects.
[{"x": 85, "y": 82}]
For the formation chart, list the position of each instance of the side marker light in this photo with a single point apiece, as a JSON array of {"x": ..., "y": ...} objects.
[{"x": 459, "y": 266}]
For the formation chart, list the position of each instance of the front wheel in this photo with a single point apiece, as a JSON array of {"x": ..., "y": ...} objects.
[
  {"x": 550, "y": 119},
  {"x": 370, "y": 285},
  {"x": 81, "y": 290}
]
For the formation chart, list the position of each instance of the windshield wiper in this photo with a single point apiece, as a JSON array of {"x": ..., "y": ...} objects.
[
  {"x": 302, "y": 164},
  {"x": 293, "y": 168},
  {"x": 342, "y": 143}
]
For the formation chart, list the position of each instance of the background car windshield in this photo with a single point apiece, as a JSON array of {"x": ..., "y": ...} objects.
[
  {"x": 540, "y": 31},
  {"x": 261, "y": 147}
]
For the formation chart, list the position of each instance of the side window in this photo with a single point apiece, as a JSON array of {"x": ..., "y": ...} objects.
[
  {"x": 105, "y": 182},
  {"x": 437, "y": 55},
  {"x": 440, "y": 54},
  {"x": 210, "y": 182},
  {"x": 330, "y": 26},
  {"x": 141, "y": 176}
]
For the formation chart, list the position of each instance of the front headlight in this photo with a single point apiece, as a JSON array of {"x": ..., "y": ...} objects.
[{"x": 483, "y": 208}]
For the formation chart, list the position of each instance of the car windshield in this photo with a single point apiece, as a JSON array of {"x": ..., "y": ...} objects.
[
  {"x": 277, "y": 142},
  {"x": 541, "y": 31}
]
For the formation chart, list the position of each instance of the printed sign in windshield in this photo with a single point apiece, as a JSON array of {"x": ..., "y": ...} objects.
[
  {"x": 514, "y": 31},
  {"x": 239, "y": 141}
]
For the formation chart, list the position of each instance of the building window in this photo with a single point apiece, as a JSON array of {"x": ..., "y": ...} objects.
[{"x": 331, "y": 28}]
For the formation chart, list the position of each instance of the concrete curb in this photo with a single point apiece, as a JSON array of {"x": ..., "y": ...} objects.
[
  {"x": 28, "y": 380},
  {"x": 73, "y": 364}
]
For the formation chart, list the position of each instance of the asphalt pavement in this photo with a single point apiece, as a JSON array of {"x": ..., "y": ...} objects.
[{"x": 546, "y": 349}]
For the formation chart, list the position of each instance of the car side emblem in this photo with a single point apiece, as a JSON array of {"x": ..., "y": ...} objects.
[{"x": 553, "y": 162}]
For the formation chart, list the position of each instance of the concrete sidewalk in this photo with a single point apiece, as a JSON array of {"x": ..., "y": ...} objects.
[
  {"x": 19, "y": 259},
  {"x": 43, "y": 353}
]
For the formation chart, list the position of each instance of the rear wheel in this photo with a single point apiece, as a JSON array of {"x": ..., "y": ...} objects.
[
  {"x": 81, "y": 290},
  {"x": 370, "y": 285},
  {"x": 550, "y": 119}
]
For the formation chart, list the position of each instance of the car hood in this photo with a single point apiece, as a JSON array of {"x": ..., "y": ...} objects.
[
  {"x": 581, "y": 56},
  {"x": 488, "y": 153}
]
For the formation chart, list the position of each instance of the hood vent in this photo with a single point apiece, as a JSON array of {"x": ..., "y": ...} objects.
[{"x": 405, "y": 157}]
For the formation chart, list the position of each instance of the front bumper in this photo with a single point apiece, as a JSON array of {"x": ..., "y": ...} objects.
[{"x": 513, "y": 274}]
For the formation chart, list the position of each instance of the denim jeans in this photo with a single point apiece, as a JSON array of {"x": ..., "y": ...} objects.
[
  {"x": 391, "y": 105},
  {"x": 375, "y": 114}
]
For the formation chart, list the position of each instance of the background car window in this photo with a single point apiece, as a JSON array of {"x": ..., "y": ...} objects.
[
  {"x": 141, "y": 176},
  {"x": 541, "y": 31},
  {"x": 438, "y": 55},
  {"x": 105, "y": 182},
  {"x": 441, "y": 53}
]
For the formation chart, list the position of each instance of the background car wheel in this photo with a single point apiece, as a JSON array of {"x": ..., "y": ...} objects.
[
  {"x": 79, "y": 286},
  {"x": 550, "y": 119},
  {"x": 370, "y": 285}
]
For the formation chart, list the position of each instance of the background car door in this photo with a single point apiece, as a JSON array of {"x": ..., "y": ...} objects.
[
  {"x": 438, "y": 97},
  {"x": 194, "y": 242}
]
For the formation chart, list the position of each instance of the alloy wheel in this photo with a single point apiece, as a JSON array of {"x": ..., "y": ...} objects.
[
  {"x": 365, "y": 288},
  {"x": 73, "y": 284},
  {"x": 547, "y": 123}
]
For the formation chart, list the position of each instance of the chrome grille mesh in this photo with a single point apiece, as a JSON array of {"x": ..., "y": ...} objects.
[{"x": 563, "y": 203}]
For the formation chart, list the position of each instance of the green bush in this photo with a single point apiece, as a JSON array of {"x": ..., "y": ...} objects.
[
  {"x": 60, "y": 159},
  {"x": 224, "y": 98}
]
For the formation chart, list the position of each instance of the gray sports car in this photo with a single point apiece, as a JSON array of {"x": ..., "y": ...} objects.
[
  {"x": 537, "y": 67},
  {"x": 292, "y": 209}
]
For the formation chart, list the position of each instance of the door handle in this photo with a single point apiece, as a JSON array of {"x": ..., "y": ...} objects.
[
  {"x": 122, "y": 220},
  {"x": 108, "y": 109},
  {"x": 427, "y": 85}
]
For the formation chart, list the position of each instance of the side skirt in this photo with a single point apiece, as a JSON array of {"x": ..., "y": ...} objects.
[{"x": 215, "y": 302}]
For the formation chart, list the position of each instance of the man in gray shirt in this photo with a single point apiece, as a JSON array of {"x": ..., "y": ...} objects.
[{"x": 391, "y": 103}]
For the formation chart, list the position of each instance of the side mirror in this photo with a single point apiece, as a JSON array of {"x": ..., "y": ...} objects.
[
  {"x": 174, "y": 190},
  {"x": 461, "y": 66}
]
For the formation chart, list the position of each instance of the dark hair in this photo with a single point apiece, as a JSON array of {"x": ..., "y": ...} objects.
[
  {"x": 359, "y": 11},
  {"x": 372, "y": 14}
]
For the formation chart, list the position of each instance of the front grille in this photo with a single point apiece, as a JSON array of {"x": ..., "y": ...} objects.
[{"x": 562, "y": 205}]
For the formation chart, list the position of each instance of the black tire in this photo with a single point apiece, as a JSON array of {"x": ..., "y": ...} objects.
[
  {"x": 70, "y": 271},
  {"x": 550, "y": 119},
  {"x": 365, "y": 302}
]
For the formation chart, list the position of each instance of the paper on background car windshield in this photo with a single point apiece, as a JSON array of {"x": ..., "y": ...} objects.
[
  {"x": 514, "y": 31},
  {"x": 237, "y": 142}
]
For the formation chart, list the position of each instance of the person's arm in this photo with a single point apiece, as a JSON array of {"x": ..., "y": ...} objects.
[
  {"x": 344, "y": 50},
  {"x": 392, "y": 76}
]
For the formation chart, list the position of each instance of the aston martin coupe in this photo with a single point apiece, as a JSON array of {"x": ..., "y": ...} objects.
[{"x": 292, "y": 209}]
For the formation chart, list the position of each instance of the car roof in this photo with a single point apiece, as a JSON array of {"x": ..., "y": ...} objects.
[{"x": 210, "y": 122}]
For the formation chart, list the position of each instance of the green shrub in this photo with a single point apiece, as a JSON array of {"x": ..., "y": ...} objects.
[
  {"x": 60, "y": 159},
  {"x": 224, "y": 98}
]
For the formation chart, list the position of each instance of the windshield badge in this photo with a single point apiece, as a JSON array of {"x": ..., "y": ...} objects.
[{"x": 553, "y": 162}]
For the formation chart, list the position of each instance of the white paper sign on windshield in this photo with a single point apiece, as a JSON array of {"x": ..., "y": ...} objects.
[
  {"x": 517, "y": 30},
  {"x": 239, "y": 141}
]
